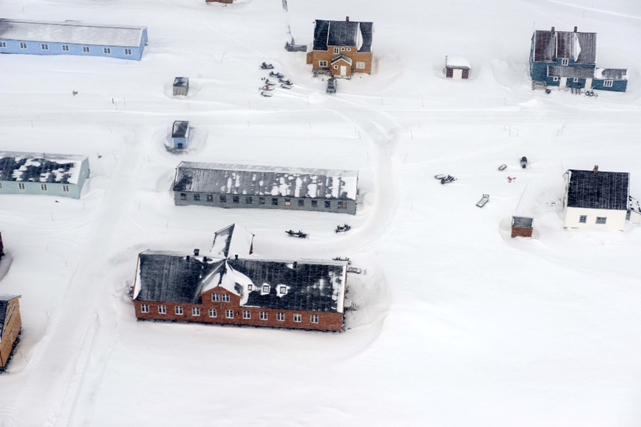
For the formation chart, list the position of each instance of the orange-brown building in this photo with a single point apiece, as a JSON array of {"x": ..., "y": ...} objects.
[
  {"x": 342, "y": 47},
  {"x": 10, "y": 326},
  {"x": 522, "y": 226},
  {"x": 230, "y": 290}
]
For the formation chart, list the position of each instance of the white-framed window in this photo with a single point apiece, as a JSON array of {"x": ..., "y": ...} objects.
[
  {"x": 20, "y": 186},
  {"x": 263, "y": 315},
  {"x": 144, "y": 308},
  {"x": 65, "y": 188},
  {"x": 601, "y": 219},
  {"x": 3, "y": 44},
  {"x": 107, "y": 50},
  {"x": 313, "y": 318},
  {"x": 298, "y": 318},
  {"x": 23, "y": 45},
  {"x": 280, "y": 317},
  {"x": 250, "y": 287},
  {"x": 282, "y": 290},
  {"x": 247, "y": 314},
  {"x": 565, "y": 62},
  {"x": 555, "y": 79},
  {"x": 65, "y": 48},
  {"x": 225, "y": 297},
  {"x": 583, "y": 219},
  {"x": 608, "y": 83},
  {"x": 349, "y": 49},
  {"x": 288, "y": 202},
  {"x": 85, "y": 49},
  {"x": 195, "y": 311},
  {"x": 162, "y": 309},
  {"x": 229, "y": 314},
  {"x": 44, "y": 46},
  {"x": 360, "y": 65},
  {"x": 178, "y": 310},
  {"x": 336, "y": 50},
  {"x": 43, "y": 187},
  {"x": 264, "y": 290},
  {"x": 215, "y": 297},
  {"x": 212, "y": 312},
  {"x": 322, "y": 63},
  {"x": 127, "y": 51},
  {"x": 575, "y": 80},
  {"x": 336, "y": 67},
  {"x": 342, "y": 204}
]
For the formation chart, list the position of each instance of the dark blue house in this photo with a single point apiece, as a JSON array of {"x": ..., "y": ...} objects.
[
  {"x": 71, "y": 38},
  {"x": 568, "y": 59}
]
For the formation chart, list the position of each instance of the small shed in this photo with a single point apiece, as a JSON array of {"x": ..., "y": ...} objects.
[
  {"x": 521, "y": 226},
  {"x": 180, "y": 133},
  {"x": 10, "y": 327},
  {"x": 181, "y": 86},
  {"x": 457, "y": 68}
]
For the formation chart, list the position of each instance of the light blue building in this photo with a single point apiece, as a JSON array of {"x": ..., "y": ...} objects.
[
  {"x": 71, "y": 38},
  {"x": 45, "y": 174},
  {"x": 568, "y": 59},
  {"x": 180, "y": 134}
]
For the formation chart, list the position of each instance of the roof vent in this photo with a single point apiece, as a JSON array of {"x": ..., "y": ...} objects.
[
  {"x": 576, "y": 29},
  {"x": 196, "y": 252},
  {"x": 552, "y": 29},
  {"x": 187, "y": 258},
  {"x": 235, "y": 256},
  {"x": 596, "y": 169},
  {"x": 347, "y": 18}
]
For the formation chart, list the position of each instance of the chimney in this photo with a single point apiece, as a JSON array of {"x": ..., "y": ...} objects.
[
  {"x": 347, "y": 18},
  {"x": 196, "y": 252},
  {"x": 235, "y": 256},
  {"x": 575, "y": 29},
  {"x": 596, "y": 169},
  {"x": 187, "y": 258},
  {"x": 552, "y": 29},
  {"x": 295, "y": 264}
]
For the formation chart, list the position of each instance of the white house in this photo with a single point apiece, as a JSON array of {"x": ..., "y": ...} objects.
[{"x": 595, "y": 199}]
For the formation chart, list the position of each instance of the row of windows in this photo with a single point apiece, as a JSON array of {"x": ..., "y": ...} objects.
[
  {"x": 43, "y": 187},
  {"x": 342, "y": 49},
  {"x": 229, "y": 314},
  {"x": 359, "y": 65},
  {"x": 606, "y": 83},
  {"x": 65, "y": 48},
  {"x": 583, "y": 219},
  {"x": 249, "y": 200}
]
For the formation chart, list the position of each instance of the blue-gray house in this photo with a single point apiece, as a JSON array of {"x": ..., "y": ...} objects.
[
  {"x": 568, "y": 59},
  {"x": 71, "y": 38},
  {"x": 39, "y": 173},
  {"x": 180, "y": 133}
]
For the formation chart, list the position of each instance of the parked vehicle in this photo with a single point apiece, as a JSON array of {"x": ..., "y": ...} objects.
[
  {"x": 266, "y": 66},
  {"x": 284, "y": 86},
  {"x": 502, "y": 167},
  {"x": 298, "y": 234},
  {"x": 523, "y": 162},
  {"x": 447, "y": 179},
  {"x": 483, "y": 201},
  {"x": 343, "y": 228},
  {"x": 277, "y": 75},
  {"x": 266, "y": 94},
  {"x": 266, "y": 87},
  {"x": 286, "y": 81},
  {"x": 331, "y": 85}
]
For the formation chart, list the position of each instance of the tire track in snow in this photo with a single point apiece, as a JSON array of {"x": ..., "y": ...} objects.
[{"x": 57, "y": 369}]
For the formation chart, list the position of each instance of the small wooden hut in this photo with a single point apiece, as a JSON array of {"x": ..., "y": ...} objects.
[
  {"x": 521, "y": 226},
  {"x": 181, "y": 86}
]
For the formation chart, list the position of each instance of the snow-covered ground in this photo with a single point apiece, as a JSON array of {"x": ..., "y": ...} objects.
[{"x": 457, "y": 324}]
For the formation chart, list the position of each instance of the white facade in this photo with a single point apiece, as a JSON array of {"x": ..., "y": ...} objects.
[{"x": 587, "y": 218}]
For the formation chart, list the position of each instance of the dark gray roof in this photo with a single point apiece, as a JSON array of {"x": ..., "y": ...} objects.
[
  {"x": 219, "y": 178},
  {"x": 40, "y": 167},
  {"x": 580, "y": 72},
  {"x": 521, "y": 222},
  {"x": 549, "y": 45},
  {"x": 312, "y": 285},
  {"x": 179, "y": 129},
  {"x": 602, "y": 190},
  {"x": 4, "y": 304},
  {"x": 173, "y": 277},
  {"x": 611, "y": 74},
  {"x": 181, "y": 82},
  {"x": 342, "y": 58},
  {"x": 343, "y": 33}
]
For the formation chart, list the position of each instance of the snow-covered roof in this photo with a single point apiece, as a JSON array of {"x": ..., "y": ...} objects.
[
  {"x": 231, "y": 241},
  {"x": 40, "y": 167},
  {"x": 218, "y": 178},
  {"x": 571, "y": 72},
  {"x": 181, "y": 82},
  {"x": 4, "y": 304},
  {"x": 550, "y": 45},
  {"x": 343, "y": 33},
  {"x": 457, "y": 62},
  {"x": 611, "y": 74},
  {"x": 181, "y": 278},
  {"x": 180, "y": 129},
  {"x": 601, "y": 190},
  {"x": 70, "y": 32}
]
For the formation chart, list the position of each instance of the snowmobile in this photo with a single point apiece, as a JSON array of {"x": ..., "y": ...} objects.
[
  {"x": 286, "y": 81},
  {"x": 266, "y": 94},
  {"x": 266, "y": 87},
  {"x": 277, "y": 75},
  {"x": 341, "y": 258},
  {"x": 265, "y": 66},
  {"x": 502, "y": 167},
  {"x": 284, "y": 86},
  {"x": 447, "y": 179},
  {"x": 269, "y": 82},
  {"x": 355, "y": 270},
  {"x": 298, "y": 234},
  {"x": 523, "y": 162},
  {"x": 343, "y": 228}
]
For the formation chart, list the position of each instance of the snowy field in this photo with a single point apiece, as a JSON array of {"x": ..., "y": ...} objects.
[{"x": 457, "y": 324}]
